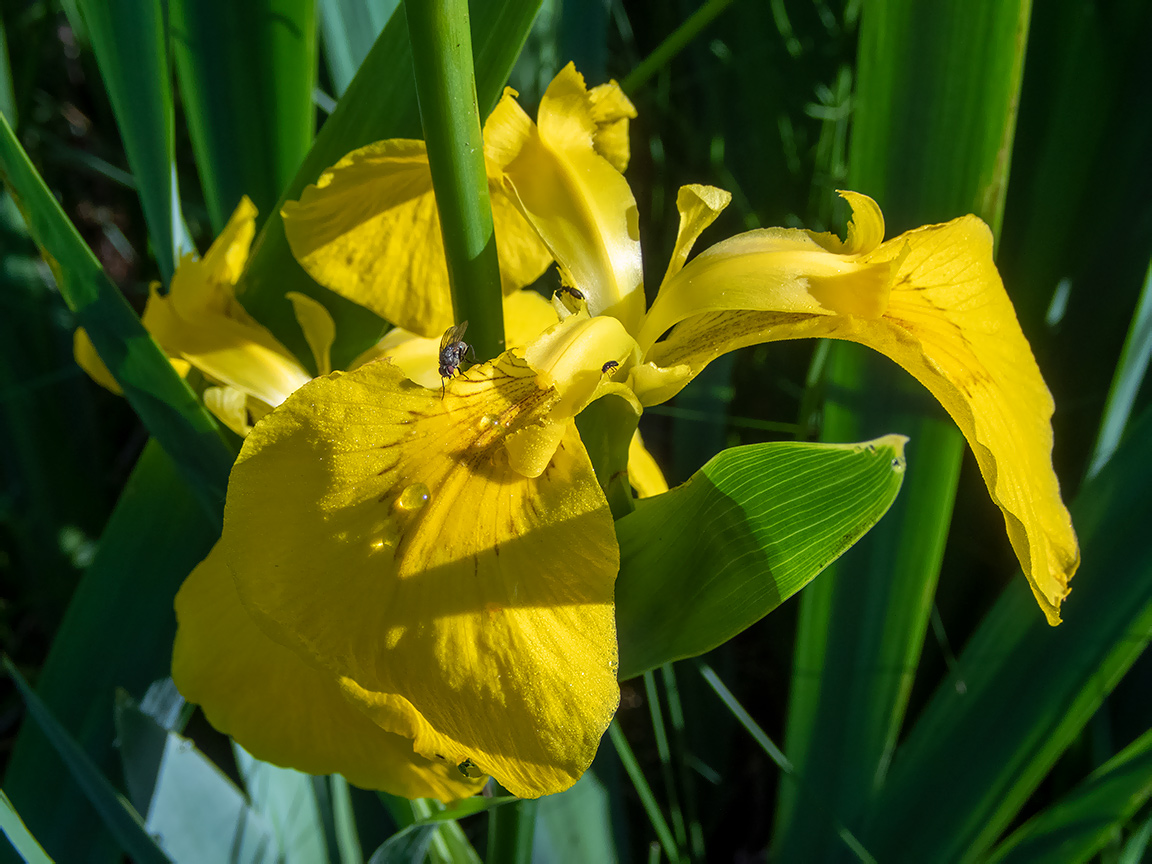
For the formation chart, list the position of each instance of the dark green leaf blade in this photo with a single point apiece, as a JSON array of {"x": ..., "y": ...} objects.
[
  {"x": 1023, "y": 690},
  {"x": 19, "y": 835},
  {"x": 701, "y": 563},
  {"x": 123, "y": 605},
  {"x": 933, "y": 122},
  {"x": 161, "y": 399},
  {"x": 1073, "y": 829},
  {"x": 247, "y": 72},
  {"x": 118, "y": 815},
  {"x": 130, "y": 41}
]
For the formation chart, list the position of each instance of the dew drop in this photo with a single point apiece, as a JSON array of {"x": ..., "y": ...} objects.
[
  {"x": 412, "y": 498},
  {"x": 490, "y": 422}
]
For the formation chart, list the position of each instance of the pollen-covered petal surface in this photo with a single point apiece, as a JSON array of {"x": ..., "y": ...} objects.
[
  {"x": 380, "y": 529},
  {"x": 279, "y": 708},
  {"x": 949, "y": 322},
  {"x": 370, "y": 231}
]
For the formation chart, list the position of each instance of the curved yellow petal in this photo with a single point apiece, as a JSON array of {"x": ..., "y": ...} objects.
[
  {"x": 699, "y": 206},
  {"x": 230, "y": 406},
  {"x": 279, "y": 708},
  {"x": 950, "y": 323},
  {"x": 89, "y": 360},
  {"x": 370, "y": 231},
  {"x": 581, "y": 206},
  {"x": 238, "y": 354},
  {"x": 379, "y": 528},
  {"x": 611, "y": 112},
  {"x": 318, "y": 326},
  {"x": 203, "y": 287},
  {"x": 643, "y": 472},
  {"x": 770, "y": 269}
]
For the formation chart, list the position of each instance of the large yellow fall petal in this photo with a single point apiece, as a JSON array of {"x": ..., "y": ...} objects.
[
  {"x": 370, "y": 231},
  {"x": 380, "y": 529},
  {"x": 949, "y": 322},
  {"x": 579, "y": 203},
  {"x": 279, "y": 708}
]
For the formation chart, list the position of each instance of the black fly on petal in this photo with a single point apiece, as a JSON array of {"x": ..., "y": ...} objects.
[
  {"x": 452, "y": 351},
  {"x": 610, "y": 366}
]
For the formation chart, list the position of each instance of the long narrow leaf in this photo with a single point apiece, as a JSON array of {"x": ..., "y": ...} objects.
[
  {"x": 118, "y": 632},
  {"x": 247, "y": 72},
  {"x": 118, "y": 815},
  {"x": 933, "y": 124},
  {"x": 1073, "y": 829},
  {"x": 19, "y": 835},
  {"x": 701, "y": 563},
  {"x": 1027, "y": 688},
  {"x": 164, "y": 403},
  {"x": 130, "y": 39}
]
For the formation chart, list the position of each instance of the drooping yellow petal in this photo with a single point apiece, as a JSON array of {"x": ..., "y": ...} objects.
[
  {"x": 643, "y": 472},
  {"x": 949, "y": 322},
  {"x": 87, "y": 359},
  {"x": 579, "y": 203},
  {"x": 370, "y": 231},
  {"x": 279, "y": 708},
  {"x": 379, "y": 529},
  {"x": 238, "y": 354}
]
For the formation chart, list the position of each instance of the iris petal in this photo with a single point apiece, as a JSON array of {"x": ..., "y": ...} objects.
[
  {"x": 279, "y": 708},
  {"x": 949, "y": 322},
  {"x": 381, "y": 530}
]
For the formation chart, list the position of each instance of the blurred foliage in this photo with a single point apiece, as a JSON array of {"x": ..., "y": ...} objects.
[{"x": 759, "y": 103}]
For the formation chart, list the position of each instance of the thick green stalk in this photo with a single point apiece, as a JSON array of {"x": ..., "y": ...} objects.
[{"x": 446, "y": 87}]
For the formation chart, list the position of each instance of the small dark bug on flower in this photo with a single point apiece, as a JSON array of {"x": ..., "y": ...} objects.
[
  {"x": 610, "y": 366},
  {"x": 452, "y": 351},
  {"x": 468, "y": 769}
]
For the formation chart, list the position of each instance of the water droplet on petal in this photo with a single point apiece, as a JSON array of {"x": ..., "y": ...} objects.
[
  {"x": 412, "y": 498},
  {"x": 490, "y": 422}
]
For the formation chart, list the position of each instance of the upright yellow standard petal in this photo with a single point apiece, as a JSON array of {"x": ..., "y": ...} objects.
[
  {"x": 380, "y": 530},
  {"x": 946, "y": 319},
  {"x": 370, "y": 231},
  {"x": 279, "y": 708},
  {"x": 579, "y": 203}
]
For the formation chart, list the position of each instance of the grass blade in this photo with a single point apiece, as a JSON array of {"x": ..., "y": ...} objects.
[
  {"x": 123, "y": 604},
  {"x": 165, "y": 404},
  {"x": 19, "y": 835},
  {"x": 130, "y": 41},
  {"x": 932, "y": 133},
  {"x": 118, "y": 815},
  {"x": 1028, "y": 688},
  {"x": 1073, "y": 829}
]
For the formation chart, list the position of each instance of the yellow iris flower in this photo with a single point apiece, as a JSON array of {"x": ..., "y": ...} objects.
[{"x": 424, "y": 583}]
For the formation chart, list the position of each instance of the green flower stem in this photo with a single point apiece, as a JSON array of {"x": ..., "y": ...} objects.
[
  {"x": 674, "y": 44},
  {"x": 511, "y": 829},
  {"x": 446, "y": 87}
]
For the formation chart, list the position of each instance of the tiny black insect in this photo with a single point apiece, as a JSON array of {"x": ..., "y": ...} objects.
[
  {"x": 610, "y": 366},
  {"x": 452, "y": 351},
  {"x": 575, "y": 292}
]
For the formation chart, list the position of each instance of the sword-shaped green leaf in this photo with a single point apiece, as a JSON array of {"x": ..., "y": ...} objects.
[{"x": 702, "y": 562}]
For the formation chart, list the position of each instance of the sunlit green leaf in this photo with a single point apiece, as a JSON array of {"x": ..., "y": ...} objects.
[{"x": 701, "y": 563}]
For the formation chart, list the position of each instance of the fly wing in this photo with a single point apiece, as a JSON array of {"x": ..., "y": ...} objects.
[{"x": 453, "y": 334}]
